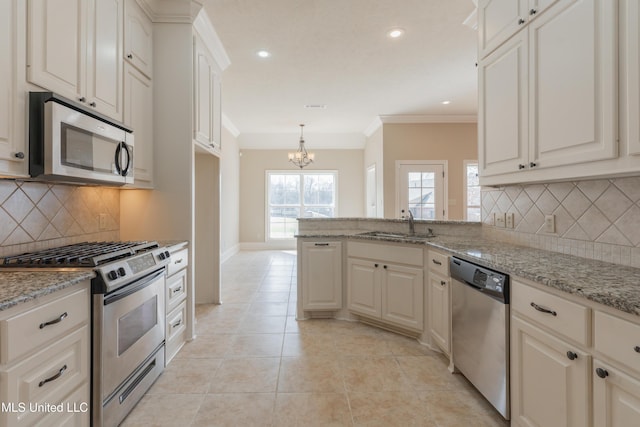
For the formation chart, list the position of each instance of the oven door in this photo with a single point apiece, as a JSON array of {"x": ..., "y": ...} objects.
[{"x": 129, "y": 325}]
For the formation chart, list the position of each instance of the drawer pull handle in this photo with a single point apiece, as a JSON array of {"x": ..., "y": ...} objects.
[
  {"x": 177, "y": 290},
  {"x": 53, "y": 378},
  {"x": 178, "y": 323},
  {"x": 636, "y": 349},
  {"x": 543, "y": 310},
  {"x": 321, "y": 244},
  {"x": 178, "y": 261},
  {"x": 442, "y": 282},
  {"x": 54, "y": 321},
  {"x": 602, "y": 373},
  {"x": 571, "y": 355},
  {"x": 436, "y": 262}
]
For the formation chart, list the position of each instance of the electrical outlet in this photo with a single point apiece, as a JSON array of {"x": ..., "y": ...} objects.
[
  {"x": 102, "y": 221},
  {"x": 500, "y": 220},
  {"x": 509, "y": 222},
  {"x": 549, "y": 223}
]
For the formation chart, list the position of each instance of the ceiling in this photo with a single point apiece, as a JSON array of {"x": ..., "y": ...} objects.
[{"x": 337, "y": 53}]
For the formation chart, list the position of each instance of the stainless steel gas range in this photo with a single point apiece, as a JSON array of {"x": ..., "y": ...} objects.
[{"x": 128, "y": 329}]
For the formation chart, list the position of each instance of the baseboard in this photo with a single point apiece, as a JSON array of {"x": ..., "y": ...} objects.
[
  {"x": 230, "y": 252},
  {"x": 265, "y": 246}
]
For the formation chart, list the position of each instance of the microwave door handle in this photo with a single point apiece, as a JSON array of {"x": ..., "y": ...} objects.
[
  {"x": 117, "y": 159},
  {"x": 125, "y": 170}
]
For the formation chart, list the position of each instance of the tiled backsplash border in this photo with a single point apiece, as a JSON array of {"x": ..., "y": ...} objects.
[
  {"x": 595, "y": 219},
  {"x": 36, "y": 215}
]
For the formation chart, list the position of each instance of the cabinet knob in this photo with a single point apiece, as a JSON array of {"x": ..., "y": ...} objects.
[
  {"x": 636, "y": 349},
  {"x": 92, "y": 104},
  {"x": 532, "y": 165},
  {"x": 130, "y": 56},
  {"x": 375, "y": 265},
  {"x": 533, "y": 12},
  {"x": 521, "y": 21},
  {"x": 82, "y": 99},
  {"x": 602, "y": 373},
  {"x": 571, "y": 355},
  {"x": 521, "y": 166},
  {"x": 384, "y": 266},
  {"x": 443, "y": 283},
  {"x": 19, "y": 155}
]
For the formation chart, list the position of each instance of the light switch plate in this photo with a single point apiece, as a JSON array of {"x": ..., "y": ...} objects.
[
  {"x": 500, "y": 220},
  {"x": 509, "y": 222},
  {"x": 549, "y": 224}
]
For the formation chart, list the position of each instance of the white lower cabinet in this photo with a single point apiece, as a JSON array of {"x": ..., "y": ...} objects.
[
  {"x": 176, "y": 299},
  {"x": 439, "y": 293},
  {"x": 549, "y": 379},
  {"x": 50, "y": 367},
  {"x": 380, "y": 287},
  {"x": 321, "y": 275},
  {"x": 616, "y": 397}
]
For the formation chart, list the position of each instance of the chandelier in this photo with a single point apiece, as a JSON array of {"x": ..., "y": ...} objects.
[{"x": 301, "y": 158}]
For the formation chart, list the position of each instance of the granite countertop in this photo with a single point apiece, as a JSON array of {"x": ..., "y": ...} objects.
[
  {"x": 18, "y": 287},
  {"x": 613, "y": 285}
]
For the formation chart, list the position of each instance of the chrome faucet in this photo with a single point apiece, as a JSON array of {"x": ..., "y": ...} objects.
[{"x": 412, "y": 226}]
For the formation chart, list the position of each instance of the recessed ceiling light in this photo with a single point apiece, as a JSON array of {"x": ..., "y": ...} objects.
[
  {"x": 263, "y": 53},
  {"x": 395, "y": 33},
  {"x": 446, "y": 102},
  {"x": 316, "y": 106}
]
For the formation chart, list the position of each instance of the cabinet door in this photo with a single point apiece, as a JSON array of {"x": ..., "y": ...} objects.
[
  {"x": 548, "y": 389},
  {"x": 104, "y": 69},
  {"x": 403, "y": 296},
  {"x": 57, "y": 45},
  {"x": 138, "y": 38},
  {"x": 439, "y": 311},
  {"x": 502, "y": 113},
  {"x": 138, "y": 114},
  {"x": 497, "y": 21},
  {"x": 363, "y": 287},
  {"x": 631, "y": 83},
  {"x": 573, "y": 83},
  {"x": 321, "y": 275},
  {"x": 616, "y": 397},
  {"x": 203, "y": 94}
]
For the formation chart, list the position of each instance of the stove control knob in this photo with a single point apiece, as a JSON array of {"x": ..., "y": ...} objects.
[
  {"x": 162, "y": 256},
  {"x": 167, "y": 254},
  {"x": 112, "y": 275},
  {"x": 122, "y": 272}
]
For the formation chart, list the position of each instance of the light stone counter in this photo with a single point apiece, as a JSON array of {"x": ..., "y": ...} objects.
[{"x": 20, "y": 287}]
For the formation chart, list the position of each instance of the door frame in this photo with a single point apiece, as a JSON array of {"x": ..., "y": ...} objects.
[{"x": 445, "y": 182}]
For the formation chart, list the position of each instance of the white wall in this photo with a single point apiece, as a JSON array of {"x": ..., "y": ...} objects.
[
  {"x": 230, "y": 203},
  {"x": 254, "y": 164},
  {"x": 373, "y": 155}
]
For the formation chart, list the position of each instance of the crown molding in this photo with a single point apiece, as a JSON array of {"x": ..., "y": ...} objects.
[
  {"x": 228, "y": 124},
  {"x": 171, "y": 11},
  {"x": 429, "y": 118},
  {"x": 373, "y": 127}
]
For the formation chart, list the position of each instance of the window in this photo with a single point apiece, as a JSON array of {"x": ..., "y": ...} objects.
[
  {"x": 471, "y": 191},
  {"x": 293, "y": 195}
]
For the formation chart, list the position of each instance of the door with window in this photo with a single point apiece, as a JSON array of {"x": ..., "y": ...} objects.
[{"x": 422, "y": 189}]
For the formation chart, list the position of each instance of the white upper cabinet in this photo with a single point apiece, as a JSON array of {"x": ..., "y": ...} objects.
[
  {"x": 630, "y": 84},
  {"x": 13, "y": 150},
  {"x": 138, "y": 38},
  {"x": 548, "y": 95},
  {"x": 75, "y": 49},
  {"x": 207, "y": 126},
  {"x": 138, "y": 114},
  {"x": 500, "y": 19}
]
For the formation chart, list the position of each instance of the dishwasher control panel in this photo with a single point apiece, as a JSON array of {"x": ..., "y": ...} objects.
[{"x": 491, "y": 282}]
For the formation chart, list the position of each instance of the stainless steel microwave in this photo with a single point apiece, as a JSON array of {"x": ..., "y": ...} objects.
[{"x": 69, "y": 143}]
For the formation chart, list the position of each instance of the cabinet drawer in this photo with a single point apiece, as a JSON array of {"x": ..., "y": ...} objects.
[
  {"x": 438, "y": 263},
  {"x": 27, "y": 331},
  {"x": 47, "y": 377},
  {"x": 176, "y": 320},
  {"x": 618, "y": 339},
  {"x": 386, "y": 252},
  {"x": 179, "y": 260},
  {"x": 76, "y": 412},
  {"x": 562, "y": 316},
  {"x": 176, "y": 289}
]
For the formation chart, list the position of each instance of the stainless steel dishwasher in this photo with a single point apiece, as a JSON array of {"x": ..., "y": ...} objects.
[{"x": 480, "y": 329}]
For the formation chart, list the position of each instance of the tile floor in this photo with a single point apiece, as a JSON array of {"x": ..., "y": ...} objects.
[{"x": 253, "y": 364}]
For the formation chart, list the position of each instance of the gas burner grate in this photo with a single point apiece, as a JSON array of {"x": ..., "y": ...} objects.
[{"x": 86, "y": 254}]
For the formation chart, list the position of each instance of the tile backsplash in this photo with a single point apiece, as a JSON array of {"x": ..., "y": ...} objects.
[
  {"x": 596, "y": 219},
  {"x": 37, "y": 215}
]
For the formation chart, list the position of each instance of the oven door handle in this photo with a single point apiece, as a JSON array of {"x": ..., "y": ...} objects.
[{"x": 133, "y": 287}]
